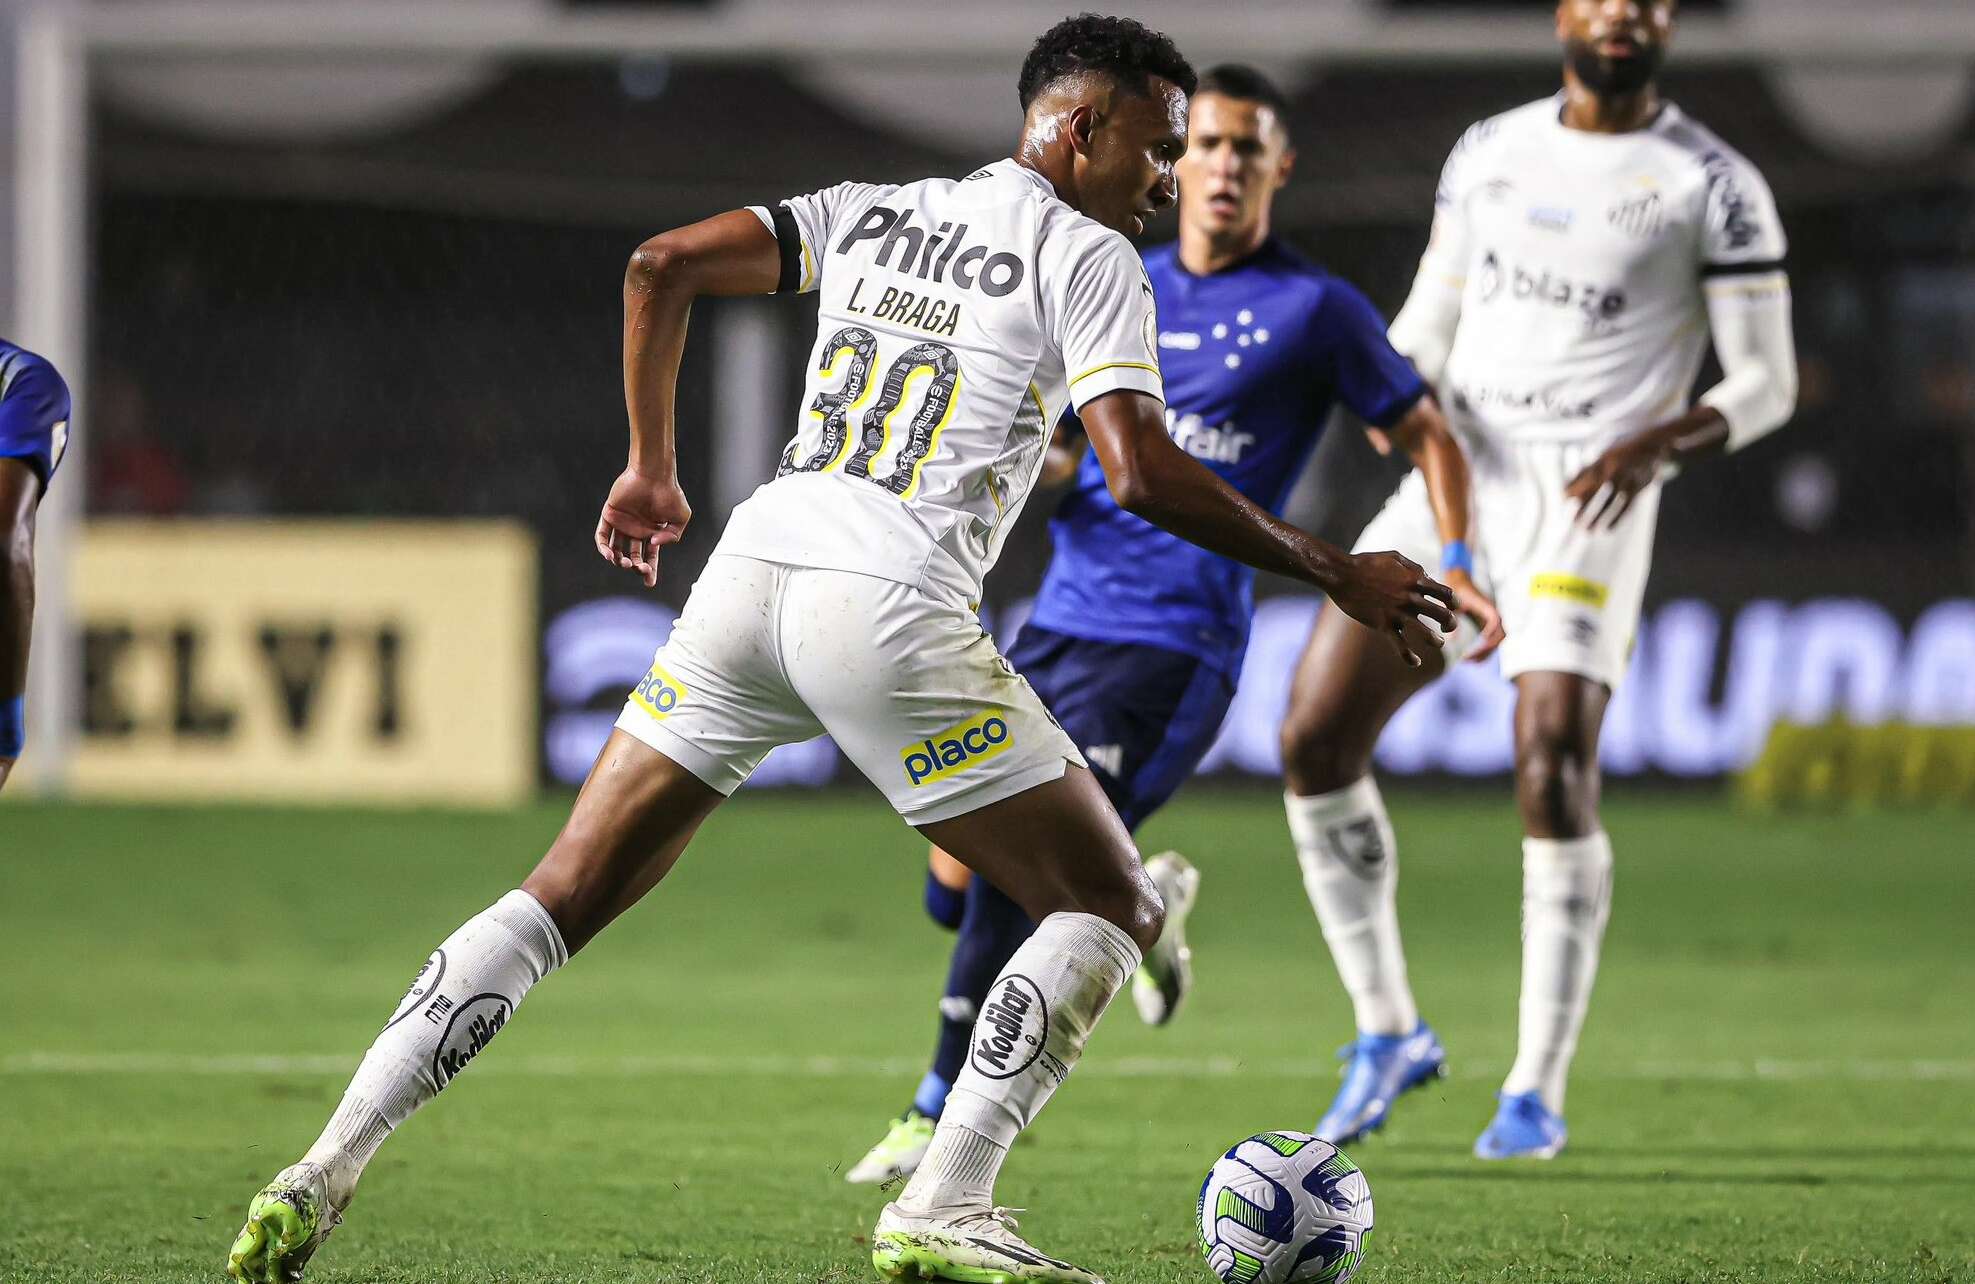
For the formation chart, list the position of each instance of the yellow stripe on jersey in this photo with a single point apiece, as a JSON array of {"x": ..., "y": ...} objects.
[
  {"x": 932, "y": 442},
  {"x": 1114, "y": 365},
  {"x": 850, "y": 432}
]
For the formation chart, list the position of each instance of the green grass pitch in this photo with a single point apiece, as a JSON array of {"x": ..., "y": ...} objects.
[{"x": 1775, "y": 1083}]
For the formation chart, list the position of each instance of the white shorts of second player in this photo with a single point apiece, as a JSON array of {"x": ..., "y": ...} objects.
[
  {"x": 911, "y": 688},
  {"x": 1569, "y": 597}
]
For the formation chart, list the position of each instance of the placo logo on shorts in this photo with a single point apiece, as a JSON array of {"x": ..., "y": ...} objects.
[
  {"x": 1012, "y": 1030},
  {"x": 658, "y": 692},
  {"x": 1570, "y": 588},
  {"x": 957, "y": 748}
]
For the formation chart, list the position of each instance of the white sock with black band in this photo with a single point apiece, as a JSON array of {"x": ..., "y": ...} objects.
[
  {"x": 1029, "y": 1036},
  {"x": 459, "y": 1000}
]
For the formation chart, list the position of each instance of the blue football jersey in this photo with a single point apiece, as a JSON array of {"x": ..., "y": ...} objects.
[
  {"x": 1254, "y": 358},
  {"x": 34, "y": 411}
]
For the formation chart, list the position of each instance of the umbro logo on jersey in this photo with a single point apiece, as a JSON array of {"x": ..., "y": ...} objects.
[
  {"x": 959, "y": 747},
  {"x": 935, "y": 253}
]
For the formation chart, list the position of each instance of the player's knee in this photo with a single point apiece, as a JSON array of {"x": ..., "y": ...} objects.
[
  {"x": 1556, "y": 784},
  {"x": 1145, "y": 917},
  {"x": 1132, "y": 906},
  {"x": 1317, "y": 757}
]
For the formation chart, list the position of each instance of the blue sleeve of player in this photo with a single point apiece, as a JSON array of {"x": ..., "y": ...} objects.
[
  {"x": 34, "y": 416},
  {"x": 1377, "y": 383}
]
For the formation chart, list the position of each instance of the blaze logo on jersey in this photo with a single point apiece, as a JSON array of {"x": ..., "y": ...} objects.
[
  {"x": 1543, "y": 285},
  {"x": 658, "y": 692},
  {"x": 959, "y": 747}
]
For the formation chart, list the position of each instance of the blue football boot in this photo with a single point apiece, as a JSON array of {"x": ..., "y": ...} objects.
[
  {"x": 1523, "y": 1128},
  {"x": 1382, "y": 1067}
]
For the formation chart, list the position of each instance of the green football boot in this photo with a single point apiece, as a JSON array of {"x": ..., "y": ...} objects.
[
  {"x": 978, "y": 1247},
  {"x": 286, "y": 1223},
  {"x": 899, "y": 1153}
]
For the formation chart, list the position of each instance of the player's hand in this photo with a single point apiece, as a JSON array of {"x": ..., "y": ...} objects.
[
  {"x": 642, "y": 515},
  {"x": 1393, "y": 597},
  {"x": 1480, "y": 608},
  {"x": 6, "y": 769},
  {"x": 1605, "y": 488}
]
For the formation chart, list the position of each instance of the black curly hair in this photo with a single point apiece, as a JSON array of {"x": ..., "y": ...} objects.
[
  {"x": 1129, "y": 52},
  {"x": 1245, "y": 84}
]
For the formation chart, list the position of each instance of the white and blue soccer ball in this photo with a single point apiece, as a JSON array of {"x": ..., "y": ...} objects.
[{"x": 1284, "y": 1208}]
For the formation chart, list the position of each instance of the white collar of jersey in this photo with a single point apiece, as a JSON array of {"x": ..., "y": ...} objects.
[
  {"x": 1010, "y": 165},
  {"x": 1666, "y": 115}
]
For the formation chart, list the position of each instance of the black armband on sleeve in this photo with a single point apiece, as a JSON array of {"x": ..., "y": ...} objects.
[
  {"x": 1711, "y": 270},
  {"x": 790, "y": 241}
]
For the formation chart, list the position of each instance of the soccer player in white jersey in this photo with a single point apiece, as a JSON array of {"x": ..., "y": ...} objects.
[
  {"x": 1584, "y": 248},
  {"x": 959, "y": 319}
]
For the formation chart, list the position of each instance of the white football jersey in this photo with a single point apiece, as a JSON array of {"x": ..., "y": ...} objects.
[
  {"x": 1580, "y": 259},
  {"x": 958, "y": 319}
]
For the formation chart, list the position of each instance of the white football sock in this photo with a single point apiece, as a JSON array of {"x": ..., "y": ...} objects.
[
  {"x": 1351, "y": 873},
  {"x": 1030, "y": 1033},
  {"x": 459, "y": 1000},
  {"x": 1566, "y": 898}
]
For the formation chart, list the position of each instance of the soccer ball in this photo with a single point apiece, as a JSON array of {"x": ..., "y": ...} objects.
[{"x": 1284, "y": 1208}]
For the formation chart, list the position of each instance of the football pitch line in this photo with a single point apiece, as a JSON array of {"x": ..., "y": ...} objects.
[{"x": 688, "y": 1065}]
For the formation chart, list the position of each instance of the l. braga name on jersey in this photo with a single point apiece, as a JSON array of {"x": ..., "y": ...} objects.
[{"x": 938, "y": 255}]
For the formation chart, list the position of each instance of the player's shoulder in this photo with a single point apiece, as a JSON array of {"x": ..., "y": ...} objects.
[
  {"x": 1491, "y": 133},
  {"x": 1071, "y": 243},
  {"x": 20, "y": 366},
  {"x": 1713, "y": 158}
]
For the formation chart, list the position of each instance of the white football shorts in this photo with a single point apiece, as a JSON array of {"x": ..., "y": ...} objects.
[
  {"x": 911, "y": 688},
  {"x": 1569, "y": 598}
]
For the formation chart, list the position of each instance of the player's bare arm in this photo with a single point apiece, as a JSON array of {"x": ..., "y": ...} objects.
[
  {"x": 1422, "y": 432},
  {"x": 19, "y": 489},
  {"x": 730, "y": 253},
  {"x": 1151, "y": 477}
]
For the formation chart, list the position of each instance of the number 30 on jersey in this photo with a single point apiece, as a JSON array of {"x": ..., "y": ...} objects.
[{"x": 858, "y": 347}]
